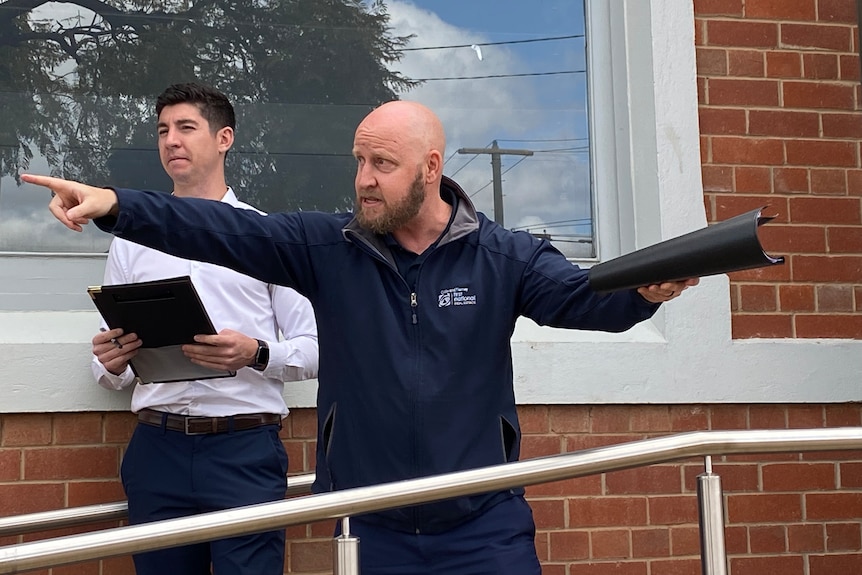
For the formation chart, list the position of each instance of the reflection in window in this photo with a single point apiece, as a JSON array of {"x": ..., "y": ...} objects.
[{"x": 78, "y": 83}]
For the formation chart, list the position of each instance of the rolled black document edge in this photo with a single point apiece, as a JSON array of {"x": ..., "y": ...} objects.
[{"x": 728, "y": 246}]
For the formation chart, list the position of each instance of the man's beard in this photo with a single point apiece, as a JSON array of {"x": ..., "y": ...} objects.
[{"x": 398, "y": 214}]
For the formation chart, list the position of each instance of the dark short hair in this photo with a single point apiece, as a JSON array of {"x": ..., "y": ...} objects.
[{"x": 213, "y": 105}]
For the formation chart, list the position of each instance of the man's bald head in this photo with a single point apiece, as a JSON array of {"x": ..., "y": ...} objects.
[
  {"x": 399, "y": 168},
  {"x": 410, "y": 124}
]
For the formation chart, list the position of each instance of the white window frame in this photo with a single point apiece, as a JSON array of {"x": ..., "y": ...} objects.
[{"x": 643, "y": 59}]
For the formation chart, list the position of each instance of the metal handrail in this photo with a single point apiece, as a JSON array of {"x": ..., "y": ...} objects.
[
  {"x": 334, "y": 505},
  {"x": 87, "y": 514},
  {"x": 60, "y": 518}
]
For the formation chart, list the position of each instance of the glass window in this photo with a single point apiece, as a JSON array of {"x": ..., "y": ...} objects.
[
  {"x": 78, "y": 84},
  {"x": 509, "y": 81}
]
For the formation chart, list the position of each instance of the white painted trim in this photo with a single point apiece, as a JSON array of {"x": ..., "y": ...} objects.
[{"x": 684, "y": 355}]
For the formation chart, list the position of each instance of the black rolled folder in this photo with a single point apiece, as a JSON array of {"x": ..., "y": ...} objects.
[{"x": 728, "y": 246}]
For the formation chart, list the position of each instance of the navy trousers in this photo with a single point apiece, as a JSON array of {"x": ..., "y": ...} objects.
[
  {"x": 501, "y": 541},
  {"x": 167, "y": 474}
]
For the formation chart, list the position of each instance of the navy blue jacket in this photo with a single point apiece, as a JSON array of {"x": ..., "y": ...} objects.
[{"x": 414, "y": 380}]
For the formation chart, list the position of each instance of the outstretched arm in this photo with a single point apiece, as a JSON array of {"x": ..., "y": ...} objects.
[
  {"x": 75, "y": 204},
  {"x": 272, "y": 249}
]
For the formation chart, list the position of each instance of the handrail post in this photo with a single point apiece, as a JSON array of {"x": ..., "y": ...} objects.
[
  {"x": 345, "y": 551},
  {"x": 713, "y": 556}
]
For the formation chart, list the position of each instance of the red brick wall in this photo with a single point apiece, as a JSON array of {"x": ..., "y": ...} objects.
[
  {"x": 779, "y": 93},
  {"x": 786, "y": 513}
]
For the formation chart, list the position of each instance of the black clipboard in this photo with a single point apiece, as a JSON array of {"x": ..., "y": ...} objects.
[{"x": 165, "y": 314}]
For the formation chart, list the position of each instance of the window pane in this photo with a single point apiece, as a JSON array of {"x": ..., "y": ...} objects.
[
  {"x": 78, "y": 89},
  {"x": 509, "y": 75}
]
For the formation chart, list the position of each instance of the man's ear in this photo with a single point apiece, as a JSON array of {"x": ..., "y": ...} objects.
[
  {"x": 434, "y": 164},
  {"x": 224, "y": 137}
]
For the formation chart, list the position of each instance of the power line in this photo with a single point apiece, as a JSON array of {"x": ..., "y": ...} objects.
[
  {"x": 560, "y": 72},
  {"x": 557, "y": 224},
  {"x": 574, "y": 223},
  {"x": 450, "y": 157},
  {"x": 559, "y": 150},
  {"x": 568, "y": 158},
  {"x": 237, "y": 151},
  {"x": 561, "y": 239},
  {"x": 482, "y": 188},
  {"x": 465, "y": 163},
  {"x": 495, "y": 152},
  {"x": 545, "y": 39},
  {"x": 504, "y": 173},
  {"x": 548, "y": 140},
  {"x": 513, "y": 165}
]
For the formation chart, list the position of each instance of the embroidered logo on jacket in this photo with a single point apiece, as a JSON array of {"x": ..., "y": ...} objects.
[{"x": 455, "y": 296}]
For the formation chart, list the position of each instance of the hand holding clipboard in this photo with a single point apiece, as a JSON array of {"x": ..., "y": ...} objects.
[{"x": 165, "y": 314}]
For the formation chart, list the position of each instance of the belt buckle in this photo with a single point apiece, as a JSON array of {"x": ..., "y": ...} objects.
[{"x": 188, "y": 431}]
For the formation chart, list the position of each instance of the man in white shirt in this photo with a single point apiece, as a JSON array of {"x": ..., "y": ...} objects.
[{"x": 209, "y": 444}]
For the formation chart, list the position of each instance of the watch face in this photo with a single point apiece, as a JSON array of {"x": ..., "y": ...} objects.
[
  {"x": 262, "y": 358},
  {"x": 263, "y": 354}
]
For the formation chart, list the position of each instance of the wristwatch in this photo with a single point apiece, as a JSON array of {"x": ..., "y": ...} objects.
[{"x": 261, "y": 358}]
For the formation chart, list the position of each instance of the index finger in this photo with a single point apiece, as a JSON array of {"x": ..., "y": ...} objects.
[
  {"x": 44, "y": 181},
  {"x": 207, "y": 339}
]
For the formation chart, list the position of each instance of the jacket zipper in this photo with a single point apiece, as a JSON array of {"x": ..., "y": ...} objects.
[
  {"x": 414, "y": 304},
  {"x": 375, "y": 253}
]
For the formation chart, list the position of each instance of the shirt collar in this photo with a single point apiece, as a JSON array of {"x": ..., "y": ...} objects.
[{"x": 230, "y": 197}]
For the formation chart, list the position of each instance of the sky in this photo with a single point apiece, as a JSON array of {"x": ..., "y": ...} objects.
[
  {"x": 545, "y": 114},
  {"x": 535, "y": 101}
]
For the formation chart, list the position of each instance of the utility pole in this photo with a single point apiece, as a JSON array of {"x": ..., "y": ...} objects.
[{"x": 496, "y": 152}]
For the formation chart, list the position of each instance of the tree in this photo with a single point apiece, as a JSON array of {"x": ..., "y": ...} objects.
[{"x": 301, "y": 74}]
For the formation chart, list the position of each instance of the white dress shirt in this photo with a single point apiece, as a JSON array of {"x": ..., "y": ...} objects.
[{"x": 233, "y": 301}]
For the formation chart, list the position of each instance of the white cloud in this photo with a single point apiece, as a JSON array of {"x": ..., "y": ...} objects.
[
  {"x": 479, "y": 101},
  {"x": 546, "y": 187}
]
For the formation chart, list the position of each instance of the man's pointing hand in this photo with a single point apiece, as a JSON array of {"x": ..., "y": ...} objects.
[{"x": 75, "y": 204}]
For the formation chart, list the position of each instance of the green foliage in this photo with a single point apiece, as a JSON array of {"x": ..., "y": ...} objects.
[{"x": 301, "y": 74}]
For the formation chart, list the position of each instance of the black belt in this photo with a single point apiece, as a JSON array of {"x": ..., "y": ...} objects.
[{"x": 195, "y": 425}]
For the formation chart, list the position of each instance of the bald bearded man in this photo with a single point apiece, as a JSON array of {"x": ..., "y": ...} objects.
[{"x": 416, "y": 296}]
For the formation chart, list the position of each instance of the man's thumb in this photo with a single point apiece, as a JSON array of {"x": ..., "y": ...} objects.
[{"x": 77, "y": 214}]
